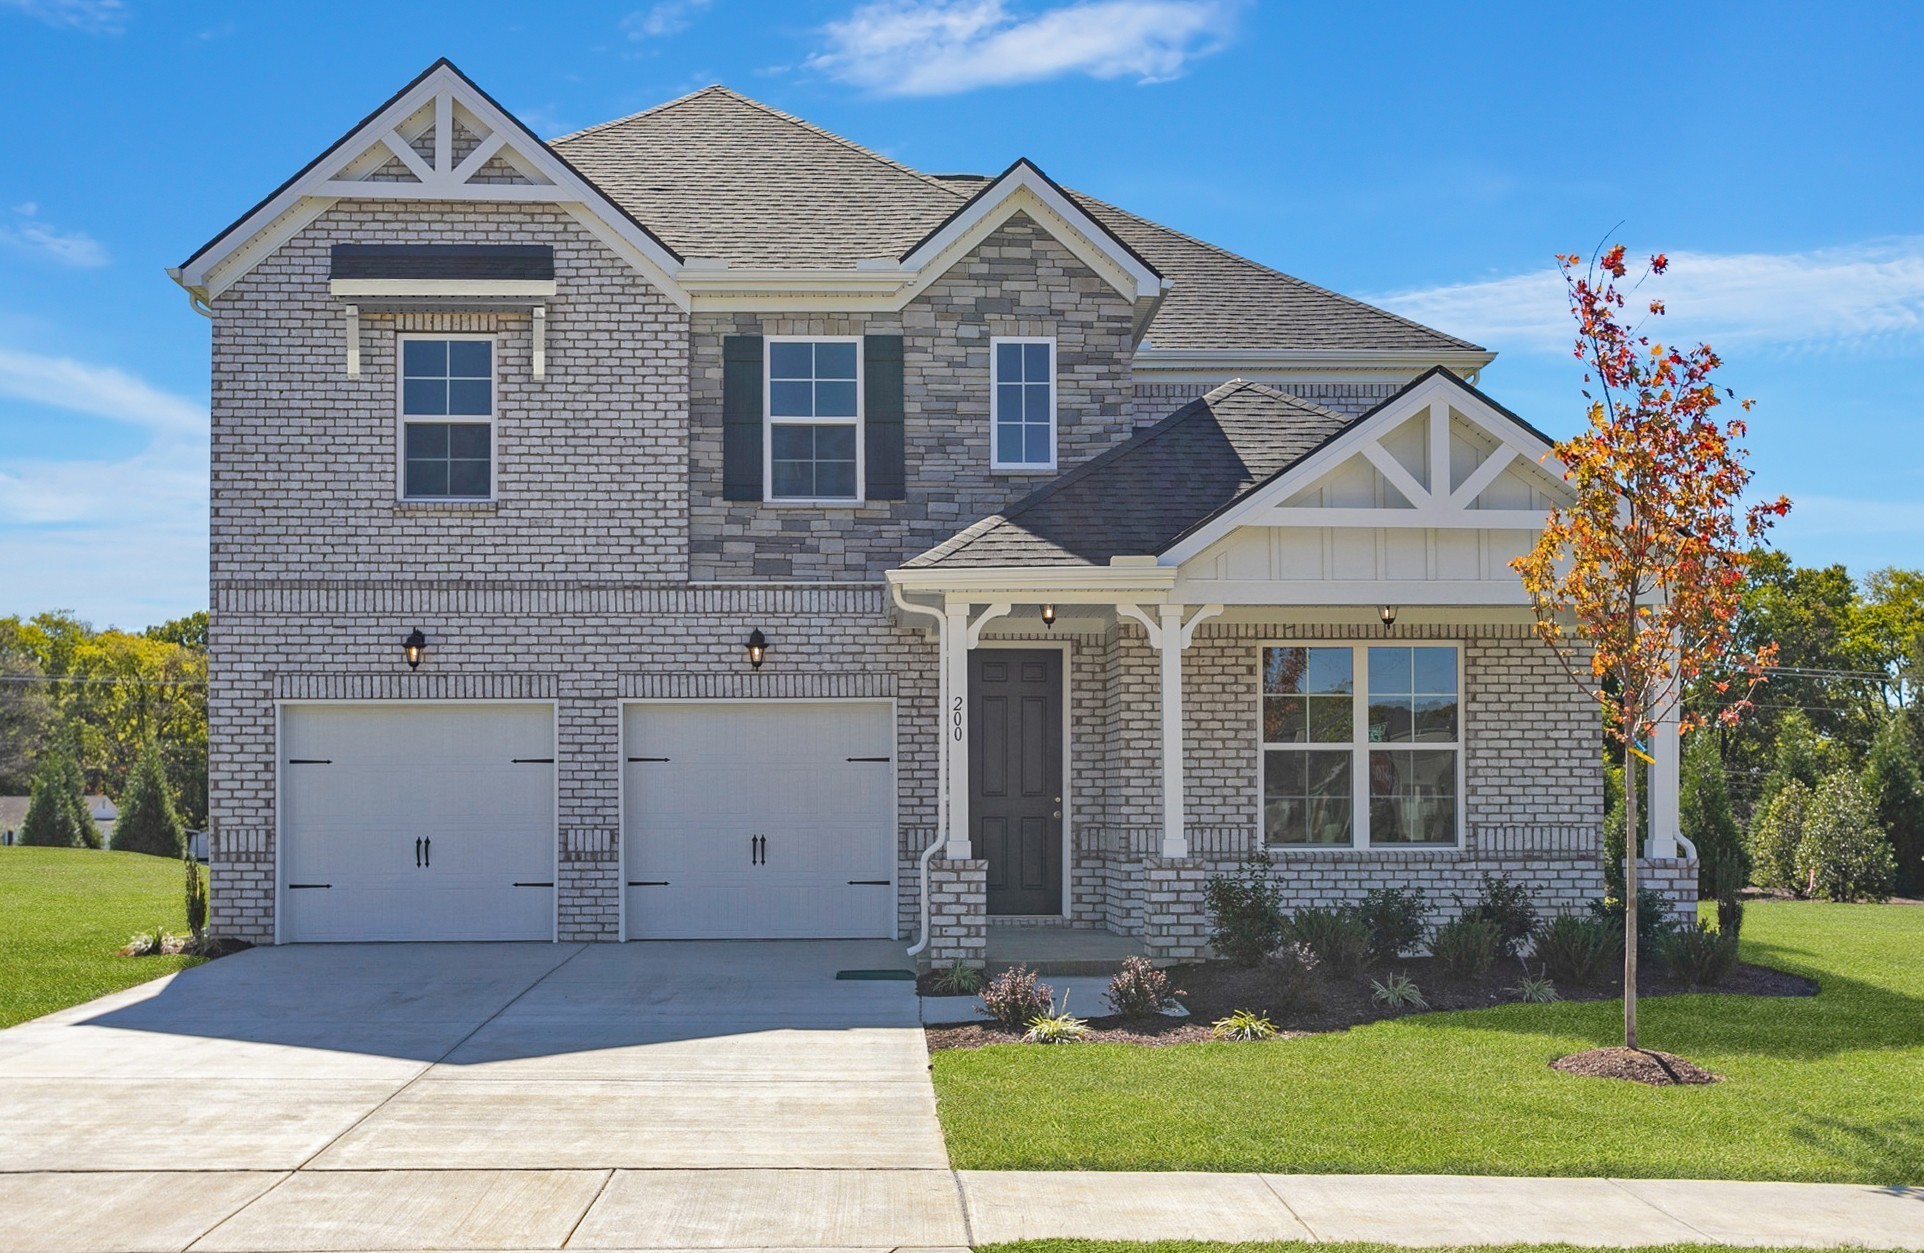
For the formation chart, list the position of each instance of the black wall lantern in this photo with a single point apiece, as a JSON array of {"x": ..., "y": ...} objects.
[
  {"x": 1388, "y": 614},
  {"x": 415, "y": 647},
  {"x": 757, "y": 648},
  {"x": 1049, "y": 616}
]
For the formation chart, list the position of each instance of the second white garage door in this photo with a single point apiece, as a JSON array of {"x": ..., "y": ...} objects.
[{"x": 759, "y": 821}]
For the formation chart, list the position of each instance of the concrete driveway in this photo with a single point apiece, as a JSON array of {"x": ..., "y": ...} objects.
[{"x": 481, "y": 1096}]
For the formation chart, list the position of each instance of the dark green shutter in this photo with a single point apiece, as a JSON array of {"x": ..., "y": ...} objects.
[
  {"x": 741, "y": 417},
  {"x": 882, "y": 417}
]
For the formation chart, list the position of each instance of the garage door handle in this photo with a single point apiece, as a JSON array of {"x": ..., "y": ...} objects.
[
  {"x": 647, "y": 883},
  {"x": 427, "y": 851},
  {"x": 868, "y": 883},
  {"x": 868, "y": 759},
  {"x": 417, "y": 852},
  {"x": 534, "y": 885},
  {"x": 295, "y": 887}
]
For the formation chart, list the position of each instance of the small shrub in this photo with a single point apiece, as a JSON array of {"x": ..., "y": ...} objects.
[
  {"x": 1292, "y": 976},
  {"x": 1730, "y": 902},
  {"x": 1843, "y": 856},
  {"x": 1398, "y": 992},
  {"x": 1506, "y": 903},
  {"x": 1014, "y": 998},
  {"x": 1394, "y": 917},
  {"x": 1244, "y": 1024},
  {"x": 1653, "y": 915},
  {"x": 1339, "y": 939},
  {"x": 1055, "y": 1026},
  {"x": 958, "y": 978},
  {"x": 196, "y": 898},
  {"x": 1535, "y": 991},
  {"x": 1139, "y": 989},
  {"x": 1467, "y": 945},
  {"x": 1698, "y": 955},
  {"x": 1575, "y": 948},
  {"x": 1245, "y": 911},
  {"x": 1775, "y": 834},
  {"x": 153, "y": 943}
]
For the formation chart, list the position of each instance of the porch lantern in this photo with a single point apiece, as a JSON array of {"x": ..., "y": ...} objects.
[
  {"x": 1388, "y": 614},
  {"x": 757, "y": 648},
  {"x": 1049, "y": 616},
  {"x": 414, "y": 647}
]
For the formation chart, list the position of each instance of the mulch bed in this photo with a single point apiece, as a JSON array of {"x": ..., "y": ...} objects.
[
  {"x": 1212, "y": 990},
  {"x": 1659, "y": 1070}
]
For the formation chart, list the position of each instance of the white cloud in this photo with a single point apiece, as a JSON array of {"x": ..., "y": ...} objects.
[
  {"x": 942, "y": 47},
  {"x": 118, "y": 539},
  {"x": 96, "y": 17},
  {"x": 101, "y": 391},
  {"x": 1853, "y": 296},
  {"x": 668, "y": 17},
  {"x": 76, "y": 248}
]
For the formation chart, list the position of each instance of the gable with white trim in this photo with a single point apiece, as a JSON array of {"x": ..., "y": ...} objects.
[
  {"x": 440, "y": 139},
  {"x": 1424, "y": 502}
]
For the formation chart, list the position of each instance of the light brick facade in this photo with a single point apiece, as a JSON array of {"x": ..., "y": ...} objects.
[{"x": 608, "y": 569}]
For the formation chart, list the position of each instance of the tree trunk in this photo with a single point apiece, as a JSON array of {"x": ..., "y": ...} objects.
[{"x": 1632, "y": 846}]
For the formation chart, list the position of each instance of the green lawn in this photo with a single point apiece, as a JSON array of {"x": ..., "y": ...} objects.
[
  {"x": 63, "y": 912},
  {"x": 1817, "y": 1088},
  {"x": 1297, "y": 1246}
]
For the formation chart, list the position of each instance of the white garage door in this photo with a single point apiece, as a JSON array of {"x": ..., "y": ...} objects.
[
  {"x": 417, "y": 822},
  {"x": 760, "y": 821}
]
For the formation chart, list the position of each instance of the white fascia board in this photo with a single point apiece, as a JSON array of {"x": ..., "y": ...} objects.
[
  {"x": 296, "y": 206},
  {"x": 1262, "y": 504},
  {"x": 1216, "y": 365},
  {"x": 440, "y": 287},
  {"x": 1062, "y": 584},
  {"x": 993, "y": 206}
]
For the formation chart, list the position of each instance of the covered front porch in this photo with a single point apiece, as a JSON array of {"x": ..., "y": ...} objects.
[{"x": 1155, "y": 669}]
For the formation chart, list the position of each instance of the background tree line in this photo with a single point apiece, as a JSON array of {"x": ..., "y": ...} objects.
[
  {"x": 1832, "y": 758},
  {"x": 99, "y": 699}
]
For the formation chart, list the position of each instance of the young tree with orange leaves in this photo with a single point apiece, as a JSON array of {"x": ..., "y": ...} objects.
[{"x": 1636, "y": 585}]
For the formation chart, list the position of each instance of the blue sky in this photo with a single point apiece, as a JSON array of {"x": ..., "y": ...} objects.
[{"x": 1430, "y": 157}]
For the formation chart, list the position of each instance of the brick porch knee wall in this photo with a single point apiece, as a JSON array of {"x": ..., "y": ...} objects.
[
  {"x": 958, "y": 912},
  {"x": 1175, "y": 924},
  {"x": 1674, "y": 879}
]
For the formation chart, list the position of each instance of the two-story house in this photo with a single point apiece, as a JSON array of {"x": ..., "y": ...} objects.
[{"x": 703, "y": 526}]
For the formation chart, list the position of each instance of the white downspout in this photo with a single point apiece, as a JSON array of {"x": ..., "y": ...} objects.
[{"x": 941, "y": 836}]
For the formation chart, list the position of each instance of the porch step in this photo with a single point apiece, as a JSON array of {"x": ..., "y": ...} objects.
[{"x": 1059, "y": 951}]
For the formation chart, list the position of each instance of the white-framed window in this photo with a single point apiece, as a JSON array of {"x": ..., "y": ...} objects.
[
  {"x": 446, "y": 415},
  {"x": 812, "y": 445},
  {"x": 1362, "y": 745},
  {"x": 1022, "y": 404}
]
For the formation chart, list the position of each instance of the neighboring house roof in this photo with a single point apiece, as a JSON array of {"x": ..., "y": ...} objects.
[
  {"x": 1137, "y": 497},
  {"x": 716, "y": 174},
  {"x": 13, "y": 812}
]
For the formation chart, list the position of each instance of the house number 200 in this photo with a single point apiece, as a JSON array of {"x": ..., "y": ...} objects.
[{"x": 955, "y": 719}]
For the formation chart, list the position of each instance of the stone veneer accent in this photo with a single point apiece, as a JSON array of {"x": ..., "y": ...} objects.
[{"x": 1019, "y": 281}]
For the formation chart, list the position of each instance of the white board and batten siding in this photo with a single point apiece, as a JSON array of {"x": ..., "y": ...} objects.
[
  {"x": 759, "y": 819},
  {"x": 417, "y": 822}
]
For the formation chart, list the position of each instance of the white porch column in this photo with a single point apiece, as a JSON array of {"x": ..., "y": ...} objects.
[
  {"x": 1175, "y": 837},
  {"x": 1666, "y": 782},
  {"x": 955, "y": 728}
]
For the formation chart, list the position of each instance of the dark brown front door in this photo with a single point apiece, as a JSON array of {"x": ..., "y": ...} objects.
[{"x": 1015, "y": 776}]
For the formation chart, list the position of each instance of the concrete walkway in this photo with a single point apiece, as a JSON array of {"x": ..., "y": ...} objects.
[{"x": 657, "y": 1096}]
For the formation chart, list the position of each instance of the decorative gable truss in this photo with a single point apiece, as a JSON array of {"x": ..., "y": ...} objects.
[
  {"x": 440, "y": 138},
  {"x": 1424, "y": 501}
]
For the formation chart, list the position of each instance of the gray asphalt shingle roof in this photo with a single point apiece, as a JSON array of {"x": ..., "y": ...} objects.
[
  {"x": 715, "y": 174},
  {"x": 1138, "y": 497}
]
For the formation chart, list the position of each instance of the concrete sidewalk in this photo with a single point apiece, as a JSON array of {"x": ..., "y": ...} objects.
[{"x": 870, "y": 1209}]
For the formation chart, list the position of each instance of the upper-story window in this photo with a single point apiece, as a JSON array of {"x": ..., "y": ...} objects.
[
  {"x": 447, "y": 417},
  {"x": 1023, "y": 404},
  {"x": 1369, "y": 764},
  {"x": 814, "y": 446}
]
